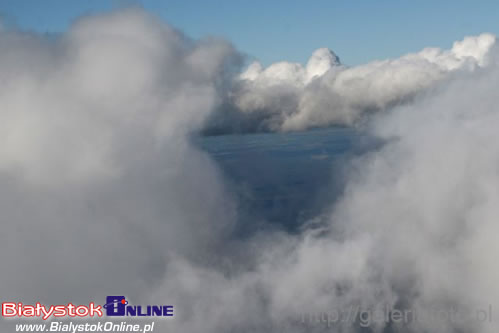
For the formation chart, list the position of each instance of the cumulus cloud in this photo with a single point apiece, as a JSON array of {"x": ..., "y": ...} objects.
[
  {"x": 414, "y": 230},
  {"x": 102, "y": 191},
  {"x": 425, "y": 203},
  {"x": 288, "y": 96},
  {"x": 98, "y": 180}
]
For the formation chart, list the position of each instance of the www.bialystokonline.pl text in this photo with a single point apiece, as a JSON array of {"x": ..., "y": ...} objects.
[{"x": 58, "y": 326}]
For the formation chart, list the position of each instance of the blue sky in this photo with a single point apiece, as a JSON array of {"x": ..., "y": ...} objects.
[{"x": 358, "y": 31}]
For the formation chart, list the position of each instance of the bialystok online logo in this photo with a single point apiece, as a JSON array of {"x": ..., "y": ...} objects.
[{"x": 116, "y": 306}]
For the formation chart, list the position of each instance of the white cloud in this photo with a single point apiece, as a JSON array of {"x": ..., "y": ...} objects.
[
  {"x": 287, "y": 96},
  {"x": 98, "y": 180}
]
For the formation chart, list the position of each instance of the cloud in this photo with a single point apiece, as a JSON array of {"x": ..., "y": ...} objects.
[
  {"x": 288, "y": 96},
  {"x": 425, "y": 202},
  {"x": 99, "y": 183},
  {"x": 102, "y": 191},
  {"x": 414, "y": 229}
]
